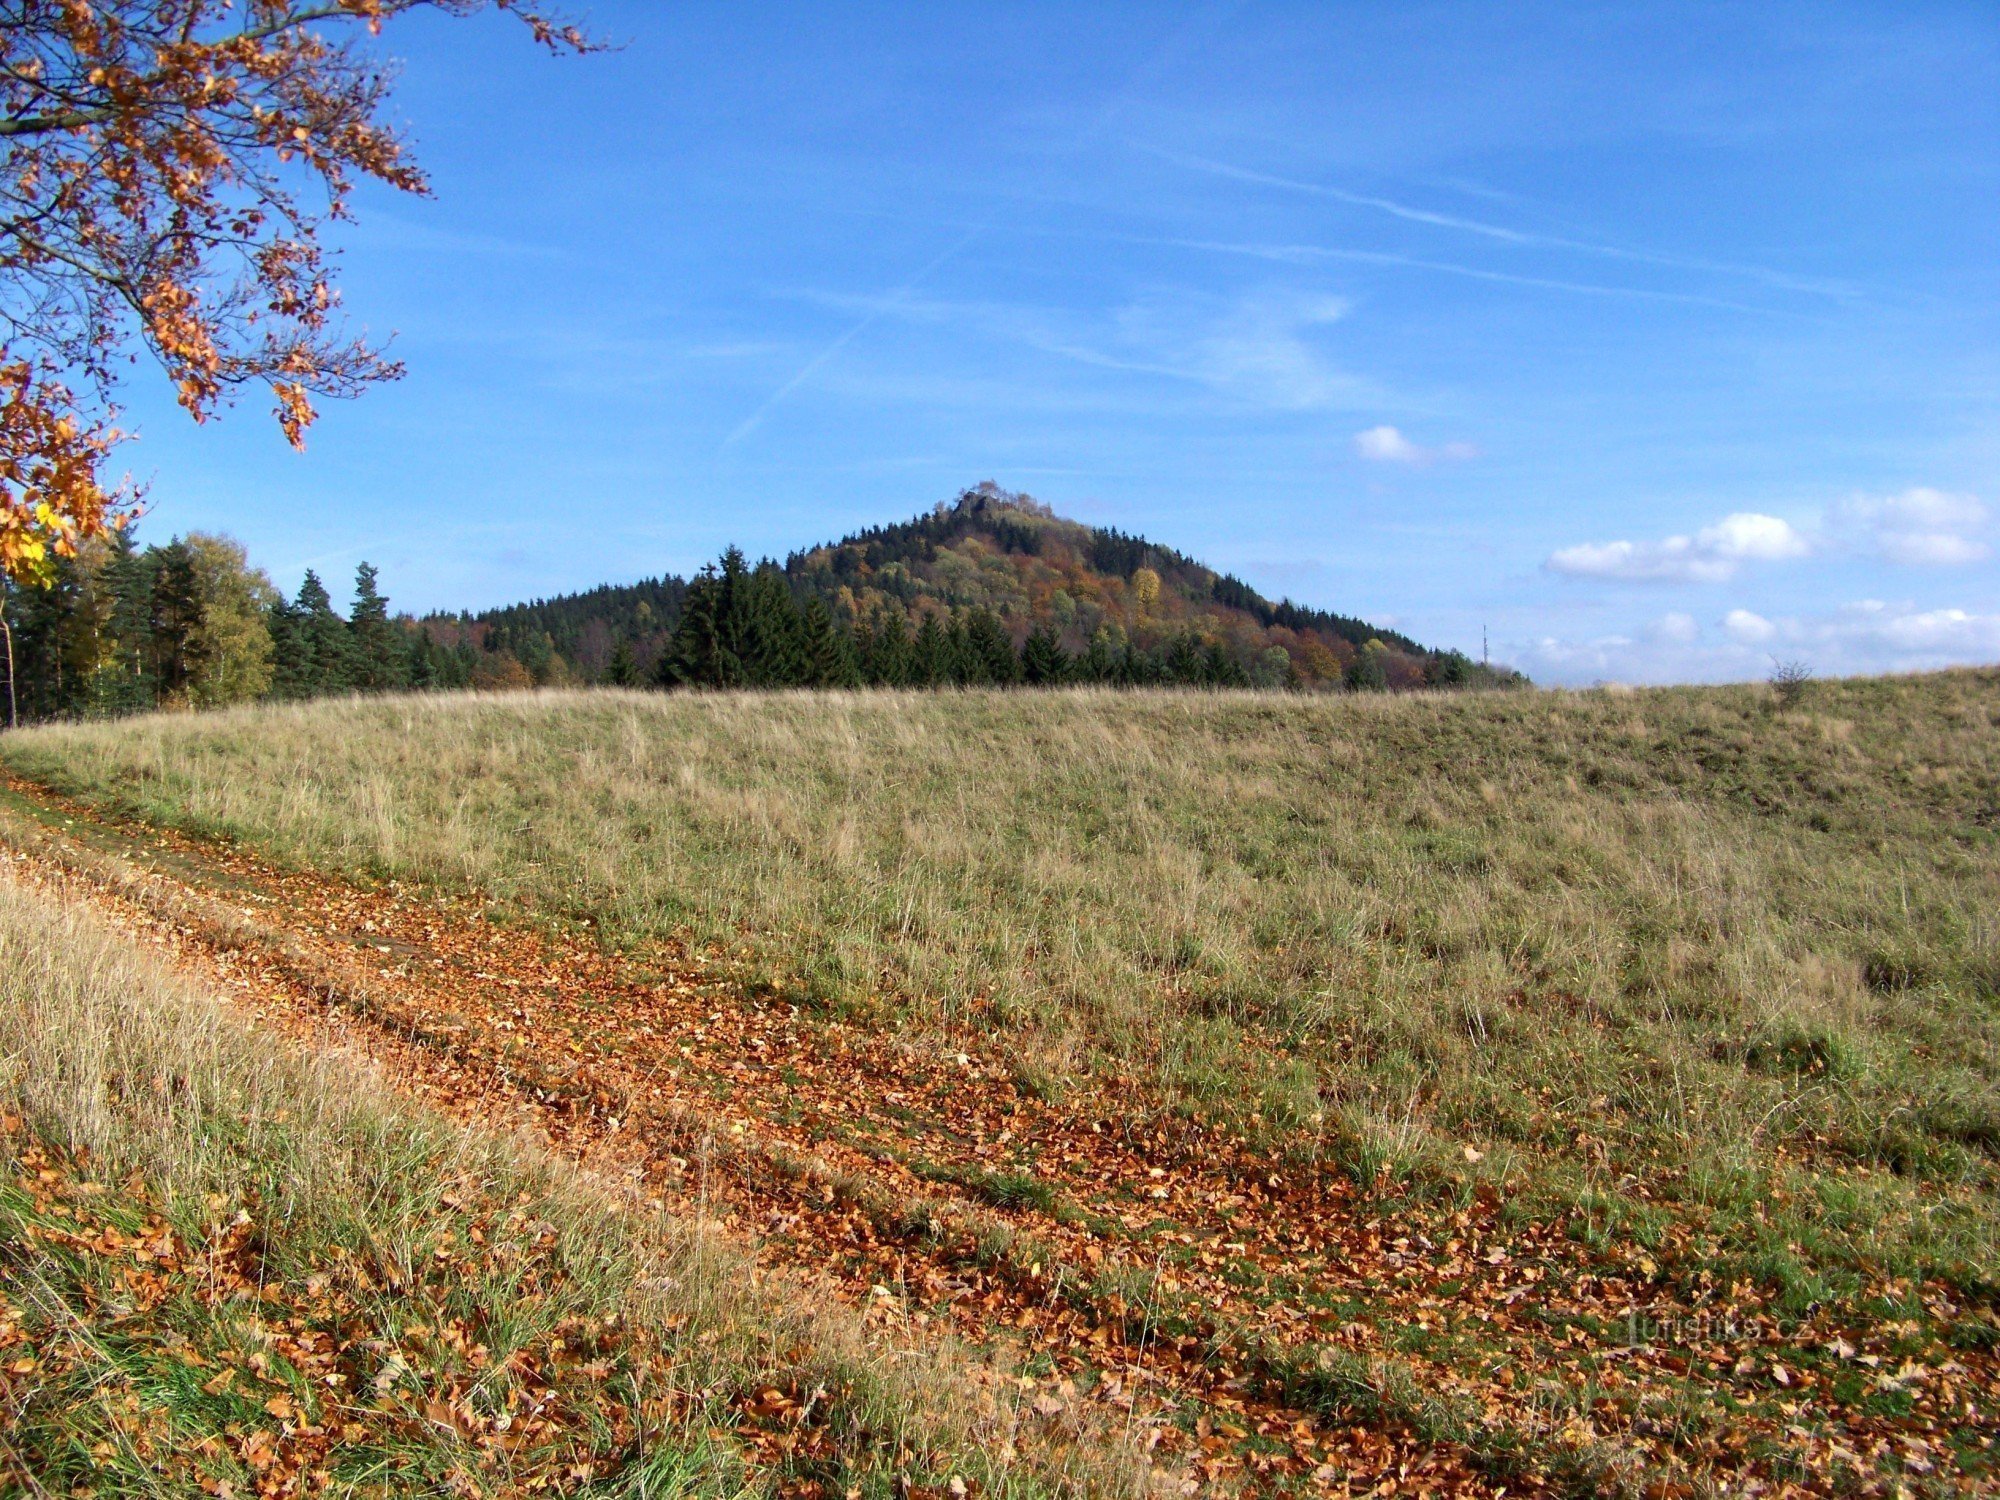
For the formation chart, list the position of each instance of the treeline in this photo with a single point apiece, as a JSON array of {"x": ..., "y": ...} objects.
[
  {"x": 748, "y": 627},
  {"x": 191, "y": 624},
  {"x": 927, "y": 601}
]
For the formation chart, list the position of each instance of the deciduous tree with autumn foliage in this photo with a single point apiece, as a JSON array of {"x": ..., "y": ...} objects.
[{"x": 167, "y": 168}]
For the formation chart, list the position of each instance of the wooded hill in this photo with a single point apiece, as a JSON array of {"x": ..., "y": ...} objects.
[{"x": 990, "y": 587}]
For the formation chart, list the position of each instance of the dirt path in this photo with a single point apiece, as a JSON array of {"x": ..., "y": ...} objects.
[{"x": 1247, "y": 1320}]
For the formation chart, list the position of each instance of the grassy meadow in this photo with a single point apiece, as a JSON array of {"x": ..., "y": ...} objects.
[
  {"x": 232, "y": 1267},
  {"x": 1689, "y": 960}
]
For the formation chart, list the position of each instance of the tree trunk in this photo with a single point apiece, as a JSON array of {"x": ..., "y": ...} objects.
[{"x": 13, "y": 710}]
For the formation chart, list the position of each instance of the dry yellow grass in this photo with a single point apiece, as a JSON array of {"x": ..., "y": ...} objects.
[
  {"x": 1684, "y": 939},
  {"x": 184, "y": 1200}
]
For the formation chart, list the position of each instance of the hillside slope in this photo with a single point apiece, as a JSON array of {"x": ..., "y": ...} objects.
[
  {"x": 1598, "y": 1090},
  {"x": 255, "y": 1242},
  {"x": 1100, "y": 595}
]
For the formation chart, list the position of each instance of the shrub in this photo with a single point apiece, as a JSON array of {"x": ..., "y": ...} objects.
[{"x": 1789, "y": 680}]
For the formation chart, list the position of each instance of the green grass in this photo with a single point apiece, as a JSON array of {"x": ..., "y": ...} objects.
[
  {"x": 1676, "y": 956},
  {"x": 226, "y": 1267}
]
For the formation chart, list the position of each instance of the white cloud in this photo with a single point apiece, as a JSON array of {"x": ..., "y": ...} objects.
[
  {"x": 1676, "y": 626},
  {"x": 1388, "y": 445},
  {"x": 1869, "y": 635},
  {"x": 1955, "y": 632},
  {"x": 1749, "y": 536},
  {"x": 1261, "y": 350},
  {"x": 1919, "y": 528},
  {"x": 1932, "y": 549},
  {"x": 1712, "y": 555},
  {"x": 1751, "y": 629},
  {"x": 1266, "y": 349}
]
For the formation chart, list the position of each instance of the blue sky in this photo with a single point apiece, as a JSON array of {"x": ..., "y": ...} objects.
[{"x": 1655, "y": 341}]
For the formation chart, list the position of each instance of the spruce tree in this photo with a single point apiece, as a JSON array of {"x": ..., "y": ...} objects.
[
  {"x": 328, "y": 645},
  {"x": 1044, "y": 663},
  {"x": 773, "y": 631},
  {"x": 624, "y": 668},
  {"x": 931, "y": 655},
  {"x": 1100, "y": 661},
  {"x": 887, "y": 662},
  {"x": 129, "y": 575},
  {"x": 174, "y": 627},
  {"x": 291, "y": 661},
  {"x": 990, "y": 652},
  {"x": 707, "y": 647},
  {"x": 381, "y": 661},
  {"x": 1184, "y": 664},
  {"x": 958, "y": 656},
  {"x": 1220, "y": 669},
  {"x": 829, "y": 652}
]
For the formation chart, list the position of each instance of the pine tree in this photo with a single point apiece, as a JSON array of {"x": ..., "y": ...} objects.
[
  {"x": 328, "y": 645},
  {"x": 381, "y": 662},
  {"x": 1044, "y": 663},
  {"x": 174, "y": 628},
  {"x": 129, "y": 686},
  {"x": 932, "y": 660},
  {"x": 829, "y": 651},
  {"x": 886, "y": 661},
  {"x": 707, "y": 647},
  {"x": 990, "y": 654},
  {"x": 773, "y": 631},
  {"x": 624, "y": 668}
]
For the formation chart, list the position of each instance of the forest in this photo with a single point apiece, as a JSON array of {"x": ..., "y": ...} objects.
[{"x": 989, "y": 590}]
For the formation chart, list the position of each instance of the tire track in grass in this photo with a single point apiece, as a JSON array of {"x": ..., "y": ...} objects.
[{"x": 1246, "y": 1319}]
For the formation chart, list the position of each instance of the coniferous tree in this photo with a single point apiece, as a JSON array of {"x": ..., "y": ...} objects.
[
  {"x": 887, "y": 661},
  {"x": 288, "y": 650},
  {"x": 33, "y": 619},
  {"x": 1220, "y": 669},
  {"x": 829, "y": 649},
  {"x": 990, "y": 654},
  {"x": 1044, "y": 663},
  {"x": 381, "y": 661},
  {"x": 933, "y": 662},
  {"x": 328, "y": 654},
  {"x": 174, "y": 628},
  {"x": 435, "y": 666},
  {"x": 129, "y": 577},
  {"x": 1184, "y": 662},
  {"x": 707, "y": 648},
  {"x": 773, "y": 630},
  {"x": 624, "y": 668}
]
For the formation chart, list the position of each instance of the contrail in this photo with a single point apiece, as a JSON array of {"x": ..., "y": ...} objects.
[
  {"x": 812, "y": 366},
  {"x": 1495, "y": 231},
  {"x": 1097, "y": 126}
]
